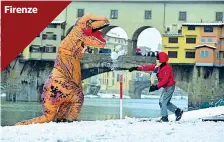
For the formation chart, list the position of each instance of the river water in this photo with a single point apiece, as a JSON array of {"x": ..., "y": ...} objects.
[{"x": 93, "y": 109}]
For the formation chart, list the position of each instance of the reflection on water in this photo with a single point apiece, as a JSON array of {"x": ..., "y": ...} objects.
[{"x": 93, "y": 109}]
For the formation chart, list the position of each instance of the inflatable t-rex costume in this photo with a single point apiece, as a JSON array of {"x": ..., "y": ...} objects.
[{"x": 63, "y": 89}]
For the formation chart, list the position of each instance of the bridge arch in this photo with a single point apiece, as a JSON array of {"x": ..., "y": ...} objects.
[
  {"x": 147, "y": 36},
  {"x": 107, "y": 29},
  {"x": 135, "y": 36}
]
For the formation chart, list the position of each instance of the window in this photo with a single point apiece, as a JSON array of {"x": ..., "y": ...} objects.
[
  {"x": 191, "y": 28},
  {"x": 114, "y": 14},
  {"x": 218, "y": 55},
  {"x": 49, "y": 37},
  {"x": 34, "y": 48},
  {"x": 52, "y": 26},
  {"x": 173, "y": 40},
  {"x": 190, "y": 40},
  {"x": 223, "y": 55},
  {"x": 203, "y": 39},
  {"x": 172, "y": 54},
  {"x": 148, "y": 14},
  {"x": 209, "y": 39},
  {"x": 190, "y": 55},
  {"x": 204, "y": 54},
  {"x": 80, "y": 12},
  {"x": 49, "y": 49},
  {"x": 219, "y": 16},
  {"x": 182, "y": 16},
  {"x": 208, "y": 29}
]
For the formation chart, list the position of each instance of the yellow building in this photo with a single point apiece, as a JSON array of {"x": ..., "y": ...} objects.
[
  {"x": 45, "y": 45},
  {"x": 110, "y": 81},
  {"x": 189, "y": 45},
  {"x": 180, "y": 46}
]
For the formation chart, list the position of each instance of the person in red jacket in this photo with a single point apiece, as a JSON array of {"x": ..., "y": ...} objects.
[{"x": 166, "y": 80}]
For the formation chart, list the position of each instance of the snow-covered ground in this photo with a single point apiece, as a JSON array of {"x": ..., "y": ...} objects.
[{"x": 189, "y": 129}]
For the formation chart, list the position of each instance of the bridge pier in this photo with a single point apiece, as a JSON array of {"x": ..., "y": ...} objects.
[
  {"x": 204, "y": 85},
  {"x": 207, "y": 87},
  {"x": 136, "y": 87},
  {"x": 130, "y": 48}
]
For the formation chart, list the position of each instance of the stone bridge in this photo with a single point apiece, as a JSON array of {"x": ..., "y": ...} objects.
[
  {"x": 93, "y": 64},
  {"x": 203, "y": 84}
]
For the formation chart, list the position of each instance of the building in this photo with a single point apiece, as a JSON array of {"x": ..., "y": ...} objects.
[
  {"x": 110, "y": 81},
  {"x": 113, "y": 42},
  {"x": 45, "y": 45},
  {"x": 198, "y": 43},
  {"x": 209, "y": 51}
]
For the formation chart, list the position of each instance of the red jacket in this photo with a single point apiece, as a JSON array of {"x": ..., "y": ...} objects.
[{"x": 164, "y": 75}]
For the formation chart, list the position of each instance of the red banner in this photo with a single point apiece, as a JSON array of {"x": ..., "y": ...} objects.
[{"x": 22, "y": 21}]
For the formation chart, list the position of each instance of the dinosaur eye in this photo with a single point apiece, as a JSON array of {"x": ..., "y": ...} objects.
[{"x": 90, "y": 21}]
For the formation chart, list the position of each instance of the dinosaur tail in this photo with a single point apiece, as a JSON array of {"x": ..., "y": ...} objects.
[{"x": 41, "y": 119}]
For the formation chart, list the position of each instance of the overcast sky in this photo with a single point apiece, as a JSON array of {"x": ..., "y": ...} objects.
[{"x": 149, "y": 37}]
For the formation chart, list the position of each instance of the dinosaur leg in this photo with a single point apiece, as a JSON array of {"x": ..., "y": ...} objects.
[
  {"x": 63, "y": 110},
  {"x": 49, "y": 111},
  {"x": 76, "y": 107}
]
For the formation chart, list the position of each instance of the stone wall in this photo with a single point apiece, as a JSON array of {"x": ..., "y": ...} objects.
[
  {"x": 25, "y": 80},
  {"x": 207, "y": 86}
]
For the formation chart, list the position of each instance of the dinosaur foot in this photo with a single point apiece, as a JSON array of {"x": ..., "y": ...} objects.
[
  {"x": 65, "y": 120},
  {"x": 61, "y": 120}
]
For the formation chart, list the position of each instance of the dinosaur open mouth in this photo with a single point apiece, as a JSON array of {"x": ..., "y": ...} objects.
[{"x": 96, "y": 33}]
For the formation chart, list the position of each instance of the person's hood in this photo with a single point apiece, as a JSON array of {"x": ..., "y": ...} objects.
[{"x": 162, "y": 57}]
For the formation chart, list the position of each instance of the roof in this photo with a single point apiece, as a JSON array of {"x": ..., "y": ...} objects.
[
  {"x": 205, "y": 45},
  {"x": 204, "y": 24},
  {"x": 115, "y": 37},
  {"x": 57, "y": 22},
  {"x": 172, "y": 34}
]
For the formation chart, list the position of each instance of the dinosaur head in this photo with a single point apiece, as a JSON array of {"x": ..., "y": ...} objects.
[{"x": 89, "y": 26}]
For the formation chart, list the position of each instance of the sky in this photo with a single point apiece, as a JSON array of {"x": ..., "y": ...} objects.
[{"x": 149, "y": 37}]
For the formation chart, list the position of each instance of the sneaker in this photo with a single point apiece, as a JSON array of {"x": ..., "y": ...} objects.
[
  {"x": 163, "y": 119},
  {"x": 178, "y": 114}
]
